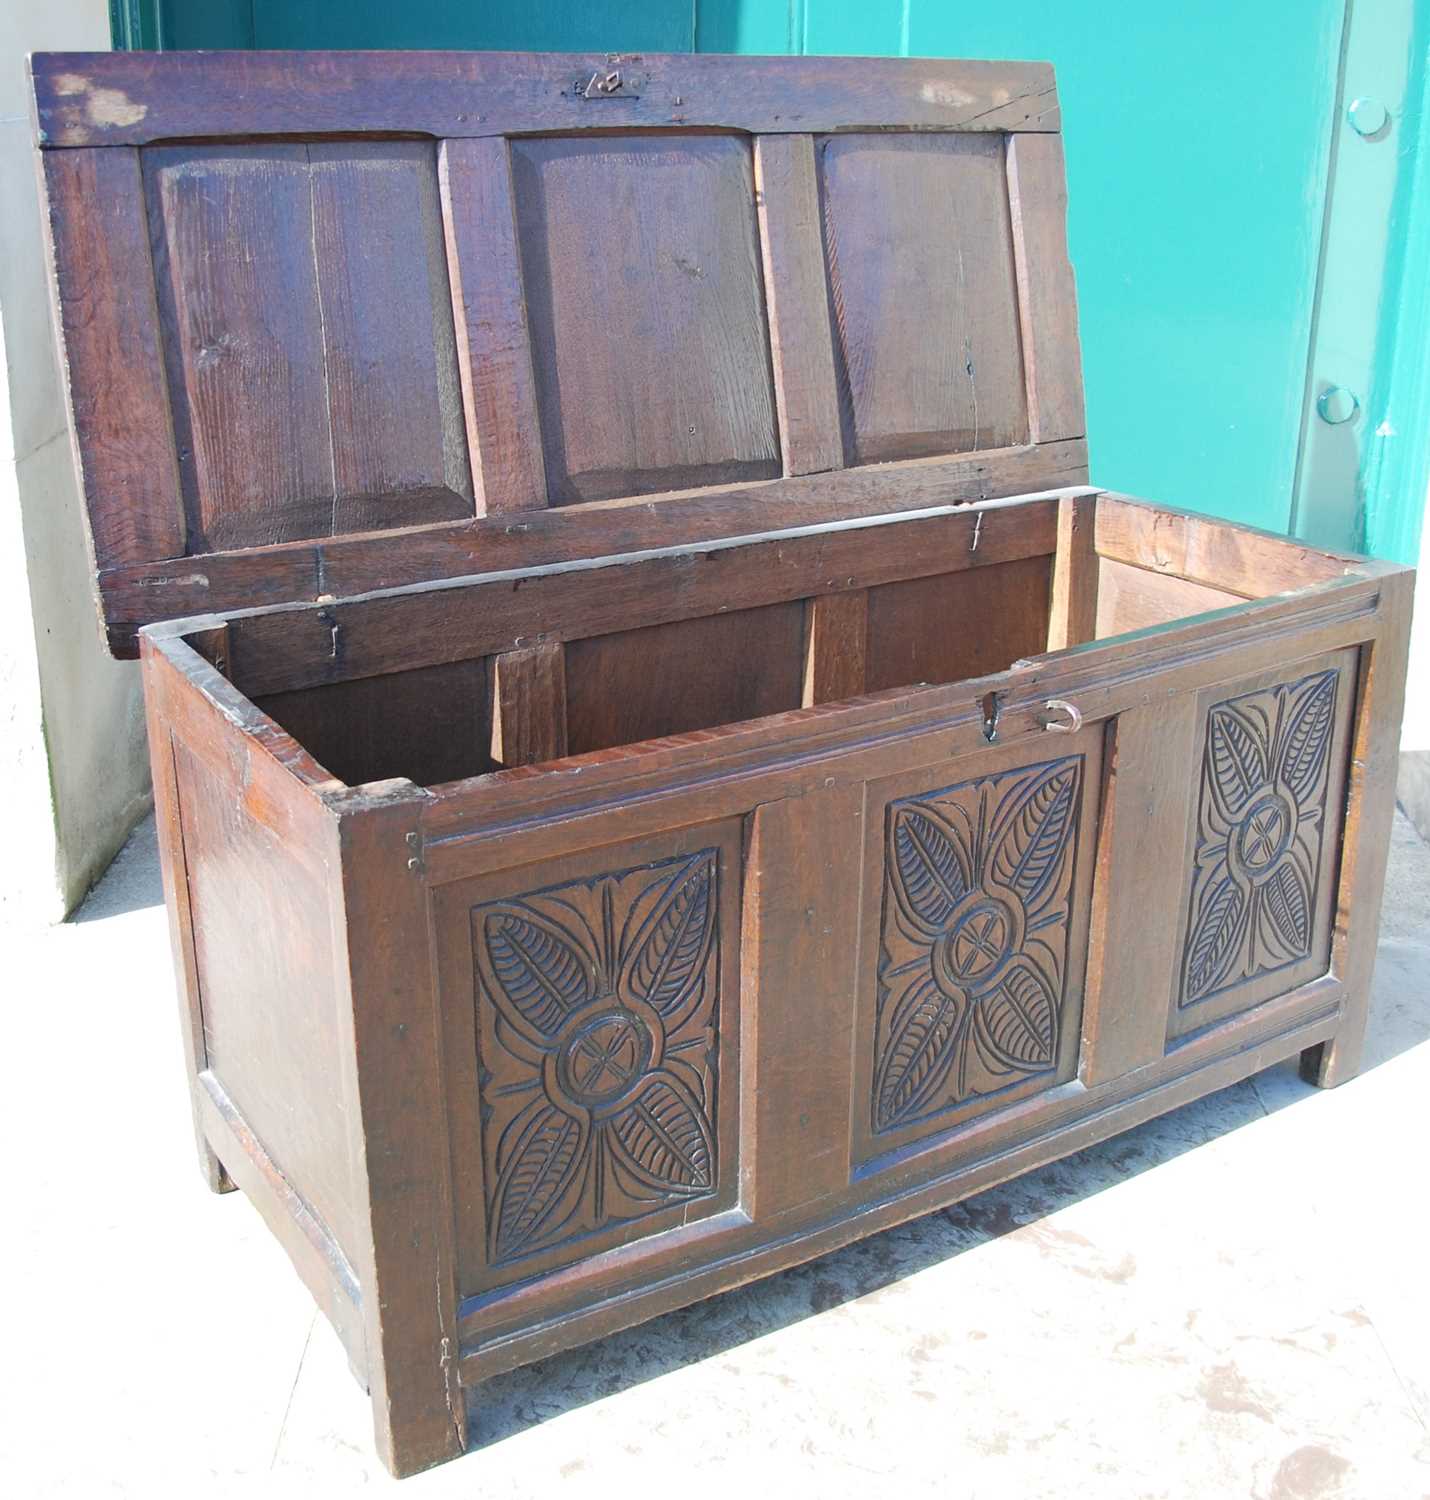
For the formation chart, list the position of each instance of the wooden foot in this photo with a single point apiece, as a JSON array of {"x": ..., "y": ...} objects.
[
  {"x": 418, "y": 1440},
  {"x": 212, "y": 1171},
  {"x": 1331, "y": 1063}
]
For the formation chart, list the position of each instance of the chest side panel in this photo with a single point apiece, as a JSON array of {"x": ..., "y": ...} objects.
[{"x": 269, "y": 987}]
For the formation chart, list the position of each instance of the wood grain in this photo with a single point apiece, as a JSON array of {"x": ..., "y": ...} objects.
[
  {"x": 801, "y": 921},
  {"x": 797, "y": 782},
  {"x": 357, "y": 565},
  {"x": 255, "y": 452},
  {"x": 113, "y": 356},
  {"x": 1220, "y": 554},
  {"x": 112, "y": 99},
  {"x": 1370, "y": 811},
  {"x": 1047, "y": 296},
  {"x": 1290, "y": 722},
  {"x": 922, "y": 282},
  {"x": 952, "y": 626},
  {"x": 529, "y": 707},
  {"x": 318, "y": 1259},
  {"x": 493, "y": 343},
  {"x": 374, "y": 337},
  {"x": 429, "y": 724},
  {"x": 596, "y": 1306},
  {"x": 173, "y": 867},
  {"x": 652, "y": 367},
  {"x": 298, "y": 646},
  {"x": 270, "y": 1015},
  {"x": 755, "y": 942},
  {"x": 836, "y": 636},
  {"x": 881, "y": 733},
  {"x": 311, "y": 366},
  {"x": 406, "y": 1259},
  {"x": 641, "y": 684},
  {"x": 394, "y": 400},
  {"x": 1131, "y": 598},
  {"x": 796, "y": 293},
  {"x": 1073, "y": 614},
  {"x": 1146, "y": 828}
]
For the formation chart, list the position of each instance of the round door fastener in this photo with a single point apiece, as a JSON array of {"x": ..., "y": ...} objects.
[
  {"x": 1336, "y": 404},
  {"x": 1368, "y": 117}
]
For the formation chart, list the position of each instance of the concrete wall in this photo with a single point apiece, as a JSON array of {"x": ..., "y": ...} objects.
[{"x": 71, "y": 728}]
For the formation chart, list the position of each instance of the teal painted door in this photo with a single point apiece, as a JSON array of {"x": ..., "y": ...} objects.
[
  {"x": 1197, "y": 140},
  {"x": 1198, "y": 144}
]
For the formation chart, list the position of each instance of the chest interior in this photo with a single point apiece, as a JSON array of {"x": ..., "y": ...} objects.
[{"x": 450, "y": 682}]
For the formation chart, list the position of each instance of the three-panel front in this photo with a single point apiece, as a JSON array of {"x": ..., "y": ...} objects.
[{"x": 784, "y": 998}]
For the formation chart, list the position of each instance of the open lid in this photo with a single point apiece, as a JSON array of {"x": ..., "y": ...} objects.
[{"x": 342, "y": 321}]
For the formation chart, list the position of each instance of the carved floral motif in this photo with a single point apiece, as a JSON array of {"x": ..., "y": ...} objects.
[
  {"x": 974, "y": 938},
  {"x": 1265, "y": 770},
  {"x": 597, "y": 1042}
]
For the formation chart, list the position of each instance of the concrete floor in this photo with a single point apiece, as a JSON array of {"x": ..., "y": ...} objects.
[{"x": 1230, "y": 1301}]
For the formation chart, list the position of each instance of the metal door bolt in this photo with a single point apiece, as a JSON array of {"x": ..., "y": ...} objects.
[
  {"x": 1336, "y": 404},
  {"x": 1368, "y": 117}
]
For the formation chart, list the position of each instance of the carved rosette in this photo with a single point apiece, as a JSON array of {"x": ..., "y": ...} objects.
[
  {"x": 973, "y": 952},
  {"x": 597, "y": 1030},
  {"x": 1265, "y": 771}
]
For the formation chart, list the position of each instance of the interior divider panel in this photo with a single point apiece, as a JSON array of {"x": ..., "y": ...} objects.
[{"x": 683, "y": 676}]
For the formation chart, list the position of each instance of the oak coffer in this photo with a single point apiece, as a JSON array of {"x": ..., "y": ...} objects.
[{"x": 664, "y": 765}]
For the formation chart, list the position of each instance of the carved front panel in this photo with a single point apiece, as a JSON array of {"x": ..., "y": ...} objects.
[
  {"x": 1263, "y": 853},
  {"x": 597, "y": 1033},
  {"x": 976, "y": 998}
]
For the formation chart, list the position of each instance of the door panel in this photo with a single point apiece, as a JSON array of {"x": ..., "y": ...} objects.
[
  {"x": 1266, "y": 836},
  {"x": 312, "y": 368},
  {"x": 592, "y": 1016},
  {"x": 652, "y": 365},
  {"x": 977, "y": 889},
  {"x": 917, "y": 239}
]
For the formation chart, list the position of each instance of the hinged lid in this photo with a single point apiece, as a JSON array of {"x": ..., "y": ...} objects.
[{"x": 336, "y": 322}]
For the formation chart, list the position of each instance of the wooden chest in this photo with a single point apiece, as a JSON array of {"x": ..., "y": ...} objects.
[{"x": 664, "y": 765}]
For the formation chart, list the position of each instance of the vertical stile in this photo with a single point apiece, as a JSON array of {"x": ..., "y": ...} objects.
[
  {"x": 1072, "y": 620},
  {"x": 800, "y": 954},
  {"x": 1141, "y": 869},
  {"x": 801, "y": 335},
  {"x": 489, "y": 310},
  {"x": 1370, "y": 811},
  {"x": 1047, "y": 296},
  {"x": 390, "y": 1019},
  {"x": 836, "y": 633},
  {"x": 113, "y": 353},
  {"x": 529, "y": 705},
  {"x": 174, "y": 867}
]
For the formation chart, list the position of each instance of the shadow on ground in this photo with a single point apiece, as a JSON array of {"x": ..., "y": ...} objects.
[{"x": 132, "y": 881}]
